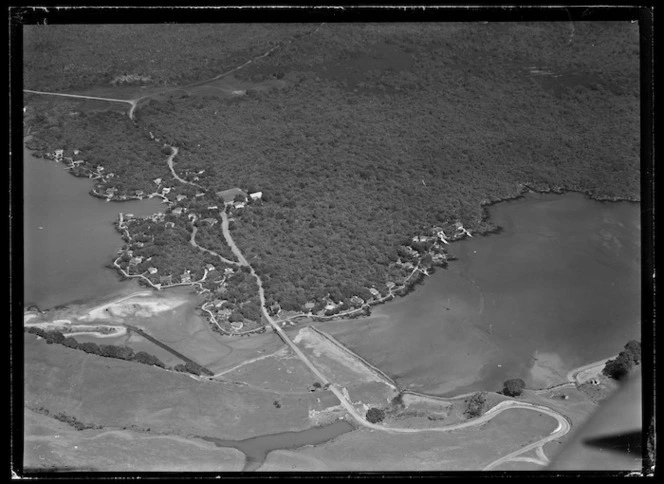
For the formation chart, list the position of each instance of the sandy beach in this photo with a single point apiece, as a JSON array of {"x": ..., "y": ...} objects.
[{"x": 143, "y": 305}]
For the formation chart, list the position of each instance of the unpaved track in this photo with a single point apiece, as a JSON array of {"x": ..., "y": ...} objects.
[{"x": 563, "y": 424}]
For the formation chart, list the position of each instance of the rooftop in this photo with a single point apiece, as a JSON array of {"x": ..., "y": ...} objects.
[{"x": 229, "y": 195}]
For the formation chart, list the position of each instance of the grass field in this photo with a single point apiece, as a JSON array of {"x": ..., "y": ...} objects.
[
  {"x": 468, "y": 449},
  {"x": 117, "y": 394},
  {"x": 52, "y": 445}
]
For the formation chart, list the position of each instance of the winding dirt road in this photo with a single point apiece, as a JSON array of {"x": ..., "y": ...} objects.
[
  {"x": 340, "y": 392},
  {"x": 169, "y": 161},
  {"x": 563, "y": 424},
  {"x": 193, "y": 242},
  {"x": 563, "y": 428},
  {"x": 583, "y": 373}
]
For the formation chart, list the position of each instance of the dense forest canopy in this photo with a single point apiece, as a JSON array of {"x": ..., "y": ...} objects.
[{"x": 374, "y": 133}]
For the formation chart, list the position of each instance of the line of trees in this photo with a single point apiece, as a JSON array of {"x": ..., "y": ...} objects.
[
  {"x": 620, "y": 367},
  {"x": 108, "y": 351}
]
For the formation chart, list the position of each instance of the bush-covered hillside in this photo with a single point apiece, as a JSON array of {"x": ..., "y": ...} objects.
[{"x": 381, "y": 131}]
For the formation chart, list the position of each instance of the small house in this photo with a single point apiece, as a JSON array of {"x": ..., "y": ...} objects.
[
  {"x": 357, "y": 300},
  {"x": 209, "y": 221},
  {"x": 239, "y": 205},
  {"x": 374, "y": 292},
  {"x": 153, "y": 270},
  {"x": 256, "y": 195},
  {"x": 166, "y": 279},
  {"x": 228, "y": 271},
  {"x": 59, "y": 154},
  {"x": 139, "y": 193},
  {"x": 157, "y": 181},
  {"x": 213, "y": 207},
  {"x": 177, "y": 211},
  {"x": 441, "y": 236},
  {"x": 76, "y": 152},
  {"x": 309, "y": 306},
  {"x": 169, "y": 225},
  {"x": 210, "y": 267},
  {"x": 200, "y": 194},
  {"x": 237, "y": 325},
  {"x": 185, "y": 277},
  {"x": 165, "y": 191},
  {"x": 179, "y": 198}
]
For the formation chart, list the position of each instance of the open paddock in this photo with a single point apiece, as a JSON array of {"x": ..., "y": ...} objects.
[
  {"x": 51, "y": 445},
  {"x": 459, "y": 450},
  {"x": 117, "y": 393}
]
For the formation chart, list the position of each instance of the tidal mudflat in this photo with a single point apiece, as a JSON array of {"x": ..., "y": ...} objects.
[{"x": 559, "y": 287}]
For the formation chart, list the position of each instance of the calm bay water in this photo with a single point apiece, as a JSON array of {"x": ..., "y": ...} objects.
[
  {"x": 69, "y": 236},
  {"x": 557, "y": 289}
]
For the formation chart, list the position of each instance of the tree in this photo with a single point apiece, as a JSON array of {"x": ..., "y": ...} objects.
[
  {"x": 193, "y": 368},
  {"x": 513, "y": 387},
  {"x": 619, "y": 368},
  {"x": 475, "y": 405},
  {"x": 55, "y": 337},
  {"x": 633, "y": 350},
  {"x": 70, "y": 343},
  {"x": 375, "y": 415},
  {"x": 90, "y": 347},
  {"x": 236, "y": 317},
  {"x": 397, "y": 402},
  {"x": 148, "y": 359}
]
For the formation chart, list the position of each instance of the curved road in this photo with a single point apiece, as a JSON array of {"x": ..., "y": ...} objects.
[
  {"x": 169, "y": 161},
  {"x": 192, "y": 241},
  {"x": 563, "y": 424},
  {"x": 563, "y": 428},
  {"x": 575, "y": 374}
]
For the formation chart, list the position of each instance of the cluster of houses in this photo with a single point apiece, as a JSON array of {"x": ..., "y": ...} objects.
[{"x": 96, "y": 174}]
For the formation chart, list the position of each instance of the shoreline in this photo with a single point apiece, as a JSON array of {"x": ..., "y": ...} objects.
[{"x": 523, "y": 188}]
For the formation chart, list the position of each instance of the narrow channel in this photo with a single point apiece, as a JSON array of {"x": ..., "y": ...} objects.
[{"x": 256, "y": 449}]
